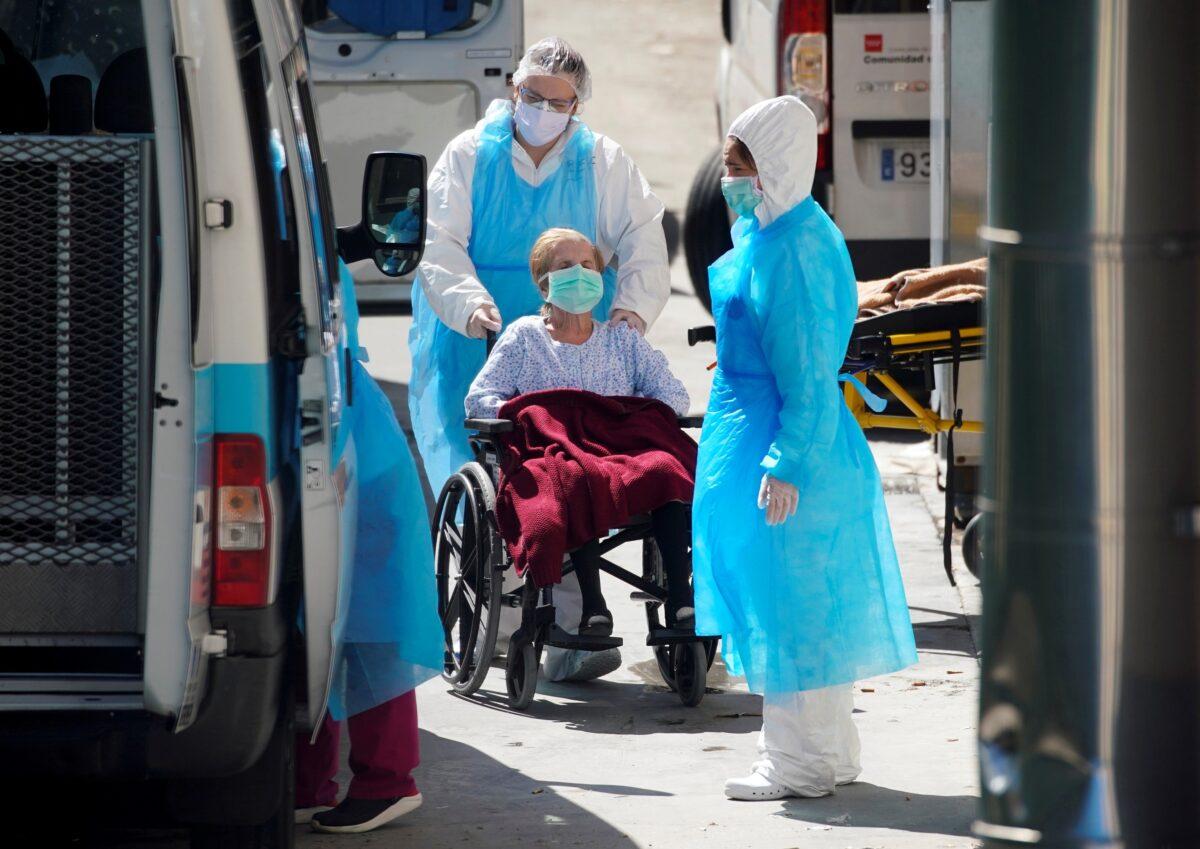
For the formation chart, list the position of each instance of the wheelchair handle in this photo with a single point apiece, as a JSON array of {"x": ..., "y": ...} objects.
[
  {"x": 490, "y": 337},
  {"x": 696, "y": 335}
]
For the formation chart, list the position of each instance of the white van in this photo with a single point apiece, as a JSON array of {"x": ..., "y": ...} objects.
[
  {"x": 416, "y": 88},
  {"x": 863, "y": 66},
  {"x": 176, "y": 486}
]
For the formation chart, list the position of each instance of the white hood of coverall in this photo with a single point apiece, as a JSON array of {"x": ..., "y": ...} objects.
[{"x": 781, "y": 135}]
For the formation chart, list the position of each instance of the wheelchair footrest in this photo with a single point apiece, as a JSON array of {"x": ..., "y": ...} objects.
[
  {"x": 670, "y": 636},
  {"x": 638, "y": 595},
  {"x": 560, "y": 639}
]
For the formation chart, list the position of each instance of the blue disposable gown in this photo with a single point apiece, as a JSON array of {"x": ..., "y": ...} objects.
[
  {"x": 391, "y": 635},
  {"x": 508, "y": 215},
  {"x": 817, "y": 600}
]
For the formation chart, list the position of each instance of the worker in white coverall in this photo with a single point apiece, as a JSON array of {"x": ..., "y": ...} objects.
[{"x": 530, "y": 165}]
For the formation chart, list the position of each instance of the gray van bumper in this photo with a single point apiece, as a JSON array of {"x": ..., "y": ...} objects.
[{"x": 230, "y": 734}]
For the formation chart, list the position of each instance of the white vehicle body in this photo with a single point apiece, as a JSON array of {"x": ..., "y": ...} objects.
[
  {"x": 148, "y": 626},
  {"x": 407, "y": 91},
  {"x": 863, "y": 67}
]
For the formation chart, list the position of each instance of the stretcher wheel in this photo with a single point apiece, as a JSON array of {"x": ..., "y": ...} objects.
[
  {"x": 521, "y": 674},
  {"x": 470, "y": 579},
  {"x": 690, "y": 671},
  {"x": 972, "y": 544}
]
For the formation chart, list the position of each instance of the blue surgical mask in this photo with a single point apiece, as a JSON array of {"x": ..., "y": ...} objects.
[
  {"x": 576, "y": 290},
  {"x": 742, "y": 194}
]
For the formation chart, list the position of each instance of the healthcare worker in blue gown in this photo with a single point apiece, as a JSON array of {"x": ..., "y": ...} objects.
[
  {"x": 793, "y": 557},
  {"x": 530, "y": 165},
  {"x": 391, "y": 636}
]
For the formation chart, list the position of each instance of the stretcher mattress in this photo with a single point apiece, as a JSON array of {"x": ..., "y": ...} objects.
[{"x": 923, "y": 319}]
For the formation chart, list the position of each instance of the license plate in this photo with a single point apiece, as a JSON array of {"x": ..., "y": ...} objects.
[{"x": 907, "y": 163}]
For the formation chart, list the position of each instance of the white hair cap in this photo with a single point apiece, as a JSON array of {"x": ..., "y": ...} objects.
[{"x": 553, "y": 57}]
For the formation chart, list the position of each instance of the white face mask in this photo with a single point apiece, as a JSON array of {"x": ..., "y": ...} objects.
[{"x": 539, "y": 126}]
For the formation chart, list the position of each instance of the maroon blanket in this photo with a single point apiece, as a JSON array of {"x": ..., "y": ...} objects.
[{"x": 578, "y": 465}]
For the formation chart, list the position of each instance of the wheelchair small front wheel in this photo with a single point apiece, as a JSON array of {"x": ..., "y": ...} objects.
[
  {"x": 690, "y": 671},
  {"x": 520, "y": 675},
  {"x": 666, "y": 664}
]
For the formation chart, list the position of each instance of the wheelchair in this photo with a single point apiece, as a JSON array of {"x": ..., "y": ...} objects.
[{"x": 471, "y": 561}]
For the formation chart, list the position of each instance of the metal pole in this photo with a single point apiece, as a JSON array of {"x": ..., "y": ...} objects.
[{"x": 1090, "y": 700}]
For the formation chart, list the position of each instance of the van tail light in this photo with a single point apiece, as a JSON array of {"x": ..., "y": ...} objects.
[
  {"x": 803, "y": 52},
  {"x": 242, "y": 532}
]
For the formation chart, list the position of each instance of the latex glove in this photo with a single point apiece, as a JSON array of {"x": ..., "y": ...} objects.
[
  {"x": 778, "y": 498},
  {"x": 486, "y": 317},
  {"x": 631, "y": 318}
]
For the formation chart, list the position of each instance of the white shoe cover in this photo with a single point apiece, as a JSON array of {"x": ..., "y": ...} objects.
[{"x": 755, "y": 787}]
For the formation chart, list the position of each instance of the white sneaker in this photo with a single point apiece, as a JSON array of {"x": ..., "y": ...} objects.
[{"x": 755, "y": 787}]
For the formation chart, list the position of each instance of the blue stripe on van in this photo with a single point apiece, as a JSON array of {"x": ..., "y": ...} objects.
[{"x": 237, "y": 398}]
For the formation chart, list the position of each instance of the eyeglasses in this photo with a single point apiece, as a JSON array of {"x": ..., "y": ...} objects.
[{"x": 532, "y": 98}]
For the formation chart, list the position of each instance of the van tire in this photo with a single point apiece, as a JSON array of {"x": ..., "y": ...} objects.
[
  {"x": 278, "y": 832},
  {"x": 706, "y": 224}
]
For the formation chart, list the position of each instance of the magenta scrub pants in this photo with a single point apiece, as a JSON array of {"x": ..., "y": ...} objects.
[{"x": 383, "y": 753}]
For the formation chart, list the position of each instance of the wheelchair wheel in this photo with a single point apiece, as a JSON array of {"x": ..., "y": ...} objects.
[
  {"x": 467, "y": 558},
  {"x": 690, "y": 668},
  {"x": 972, "y": 544},
  {"x": 521, "y": 674}
]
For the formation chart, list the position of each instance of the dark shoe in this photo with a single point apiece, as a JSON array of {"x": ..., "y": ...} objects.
[
  {"x": 303, "y": 816},
  {"x": 596, "y": 625},
  {"x": 354, "y": 816}
]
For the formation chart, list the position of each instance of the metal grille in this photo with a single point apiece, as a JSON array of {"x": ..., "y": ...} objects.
[{"x": 70, "y": 249}]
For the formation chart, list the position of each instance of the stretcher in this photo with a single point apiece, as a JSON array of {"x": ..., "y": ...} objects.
[
  {"x": 893, "y": 348},
  {"x": 896, "y": 345}
]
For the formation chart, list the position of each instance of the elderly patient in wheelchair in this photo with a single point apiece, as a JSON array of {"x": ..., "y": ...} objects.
[{"x": 564, "y": 348}]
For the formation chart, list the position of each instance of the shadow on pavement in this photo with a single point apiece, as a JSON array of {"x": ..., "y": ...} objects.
[
  {"x": 950, "y": 635},
  {"x": 870, "y": 806},
  {"x": 476, "y": 800},
  {"x": 631, "y": 708}
]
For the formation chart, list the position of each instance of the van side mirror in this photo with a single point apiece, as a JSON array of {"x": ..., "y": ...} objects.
[{"x": 392, "y": 229}]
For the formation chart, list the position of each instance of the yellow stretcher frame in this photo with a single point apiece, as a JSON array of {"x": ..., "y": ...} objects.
[{"x": 922, "y": 418}]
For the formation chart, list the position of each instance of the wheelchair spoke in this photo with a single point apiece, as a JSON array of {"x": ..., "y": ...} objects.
[
  {"x": 453, "y": 537},
  {"x": 453, "y": 606},
  {"x": 468, "y": 596}
]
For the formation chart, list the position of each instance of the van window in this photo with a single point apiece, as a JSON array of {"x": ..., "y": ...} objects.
[
  {"x": 72, "y": 36},
  {"x": 879, "y": 7},
  {"x": 318, "y": 205},
  {"x": 276, "y": 207},
  {"x": 318, "y": 16}
]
